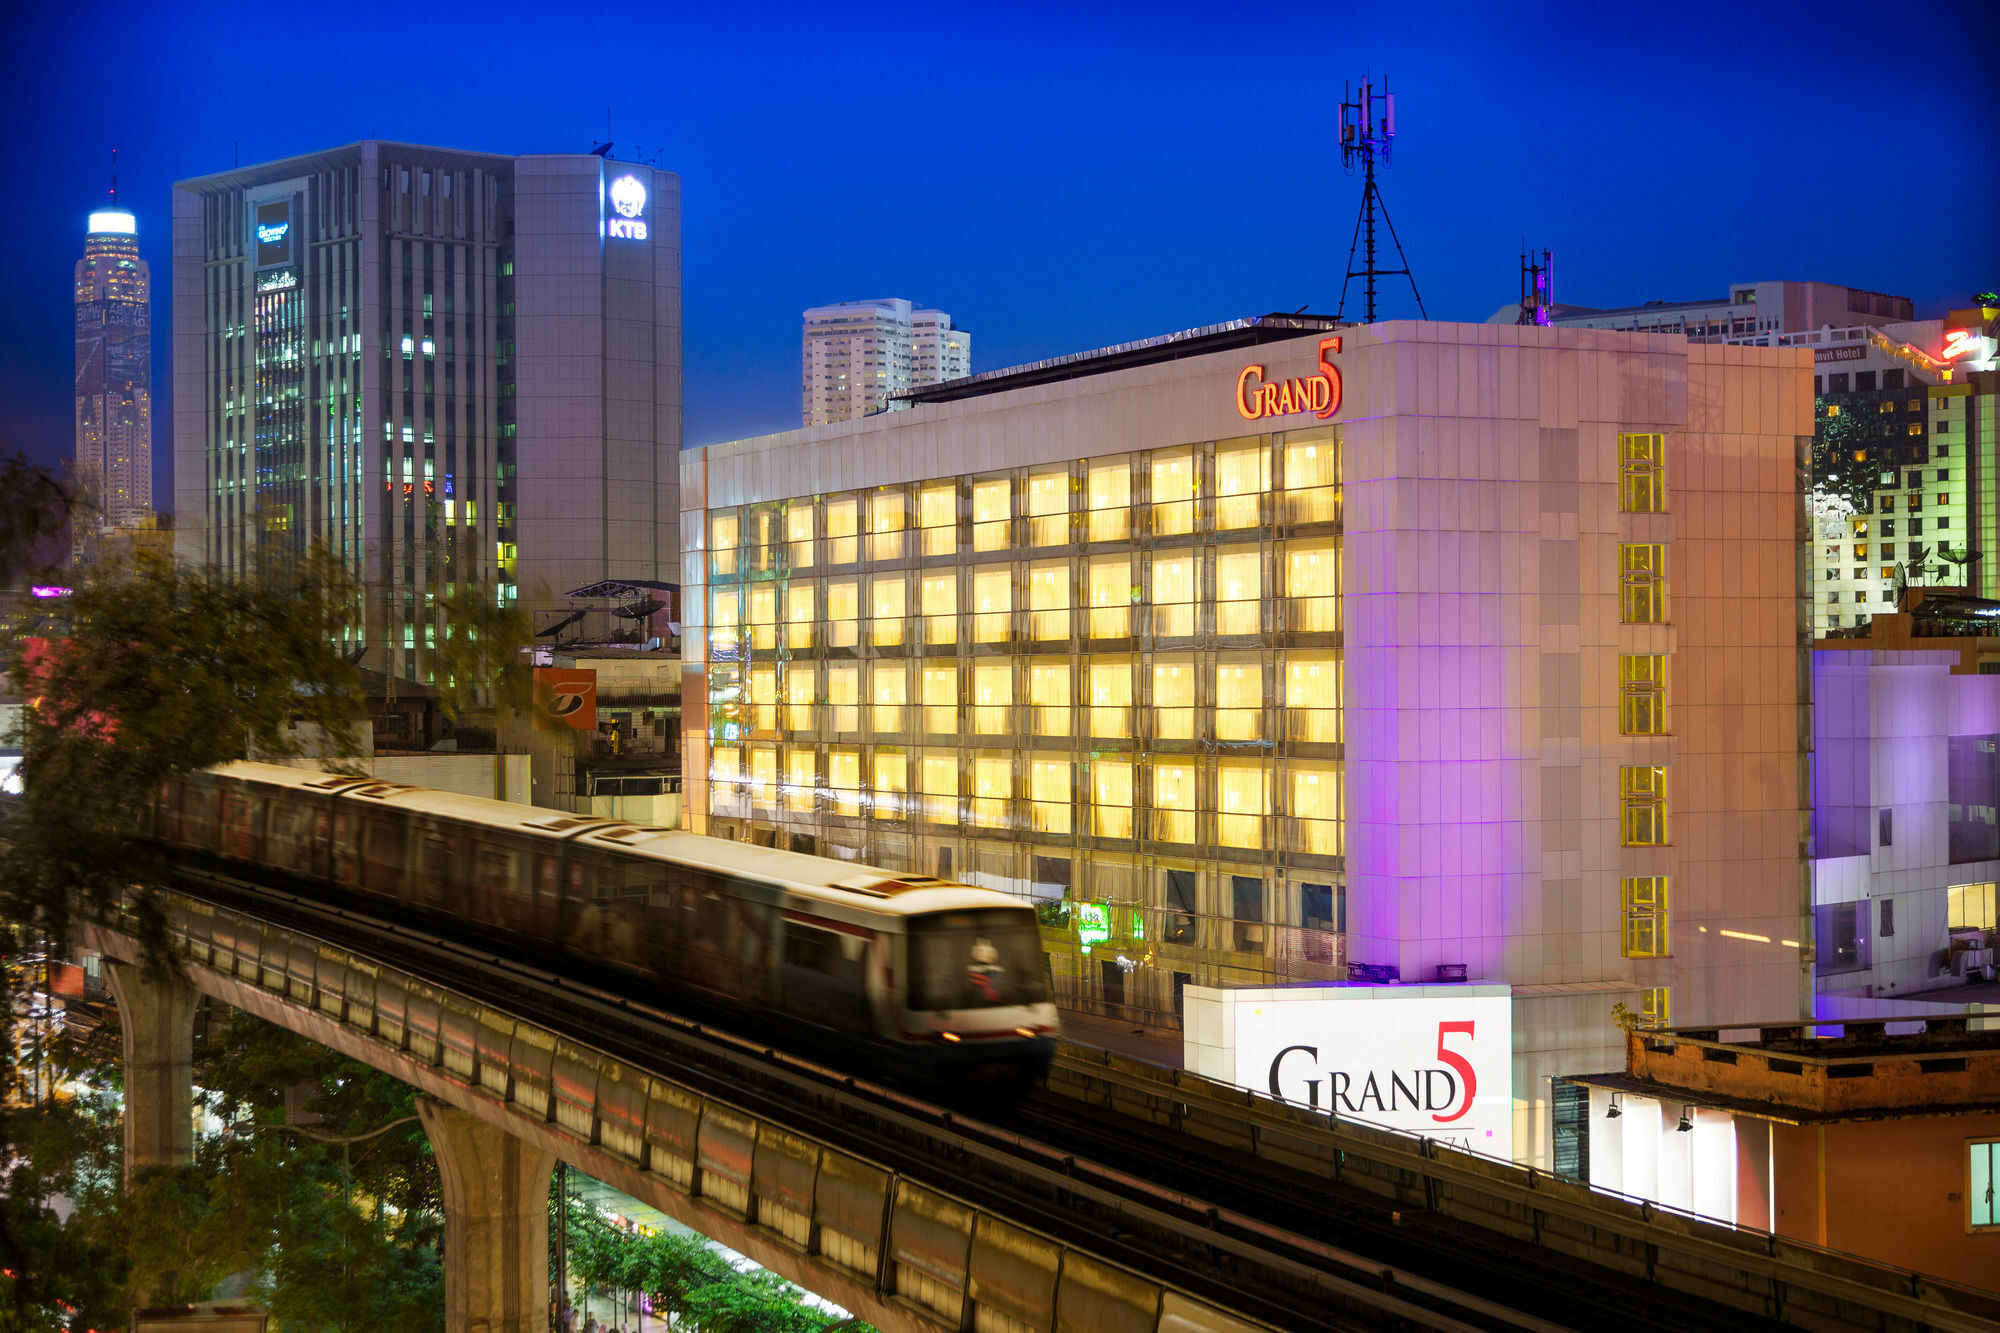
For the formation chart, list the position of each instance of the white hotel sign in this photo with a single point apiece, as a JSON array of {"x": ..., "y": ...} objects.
[{"x": 1430, "y": 1060}]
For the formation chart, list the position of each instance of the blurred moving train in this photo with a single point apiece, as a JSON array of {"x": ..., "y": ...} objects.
[{"x": 905, "y": 973}]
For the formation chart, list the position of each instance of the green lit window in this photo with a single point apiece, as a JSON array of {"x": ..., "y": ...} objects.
[
  {"x": 1642, "y": 805},
  {"x": 1642, "y": 583},
  {"x": 1642, "y": 694},
  {"x": 1983, "y": 1167},
  {"x": 1642, "y": 473},
  {"x": 1645, "y": 906}
]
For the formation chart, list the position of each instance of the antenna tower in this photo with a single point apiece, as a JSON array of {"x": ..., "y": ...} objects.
[
  {"x": 1538, "y": 289},
  {"x": 114, "y": 178},
  {"x": 1368, "y": 131}
]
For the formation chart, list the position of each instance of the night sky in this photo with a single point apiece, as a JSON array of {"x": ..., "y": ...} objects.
[{"x": 1059, "y": 178}]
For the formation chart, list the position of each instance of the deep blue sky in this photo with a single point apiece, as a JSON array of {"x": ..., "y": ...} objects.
[{"x": 1057, "y": 178}]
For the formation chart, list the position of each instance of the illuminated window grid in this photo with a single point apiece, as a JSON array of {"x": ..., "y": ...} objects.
[
  {"x": 1645, "y": 912},
  {"x": 1969, "y": 907},
  {"x": 1642, "y": 473},
  {"x": 1642, "y": 583},
  {"x": 1655, "y": 1007},
  {"x": 1642, "y": 694},
  {"x": 1642, "y": 805}
]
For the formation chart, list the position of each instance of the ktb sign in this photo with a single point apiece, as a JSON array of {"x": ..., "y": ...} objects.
[{"x": 1431, "y": 1060}]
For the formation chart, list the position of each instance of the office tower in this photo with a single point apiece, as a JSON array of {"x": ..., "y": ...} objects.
[
  {"x": 114, "y": 369},
  {"x": 447, "y": 367},
  {"x": 1453, "y": 652},
  {"x": 859, "y": 355}
]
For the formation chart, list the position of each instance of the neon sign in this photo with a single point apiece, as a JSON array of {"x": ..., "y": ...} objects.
[
  {"x": 1318, "y": 394},
  {"x": 1967, "y": 343},
  {"x": 628, "y": 200},
  {"x": 272, "y": 233}
]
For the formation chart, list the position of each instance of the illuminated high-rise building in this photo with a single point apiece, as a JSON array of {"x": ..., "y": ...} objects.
[
  {"x": 447, "y": 368},
  {"x": 857, "y": 356},
  {"x": 114, "y": 369}
]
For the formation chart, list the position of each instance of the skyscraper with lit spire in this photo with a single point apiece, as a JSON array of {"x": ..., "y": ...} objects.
[{"x": 114, "y": 367}]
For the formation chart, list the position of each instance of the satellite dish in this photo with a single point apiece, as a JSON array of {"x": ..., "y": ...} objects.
[{"x": 602, "y": 150}]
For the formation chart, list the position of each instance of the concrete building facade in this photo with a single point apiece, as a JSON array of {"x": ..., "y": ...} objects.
[
  {"x": 858, "y": 356},
  {"x": 114, "y": 369},
  {"x": 447, "y": 368},
  {"x": 1277, "y": 648}
]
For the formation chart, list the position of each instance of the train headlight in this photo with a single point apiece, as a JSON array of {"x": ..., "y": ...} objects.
[{"x": 951, "y": 1036}]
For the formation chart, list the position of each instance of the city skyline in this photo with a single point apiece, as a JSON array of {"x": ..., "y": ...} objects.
[{"x": 1159, "y": 222}]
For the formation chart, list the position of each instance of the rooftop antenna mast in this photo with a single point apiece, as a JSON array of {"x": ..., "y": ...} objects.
[
  {"x": 1538, "y": 289},
  {"x": 1368, "y": 131},
  {"x": 114, "y": 178}
]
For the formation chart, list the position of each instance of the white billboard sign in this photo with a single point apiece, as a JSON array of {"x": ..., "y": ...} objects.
[{"x": 1430, "y": 1060}]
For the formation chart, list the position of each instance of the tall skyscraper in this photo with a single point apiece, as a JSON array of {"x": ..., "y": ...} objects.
[
  {"x": 114, "y": 368},
  {"x": 858, "y": 355},
  {"x": 446, "y": 367}
]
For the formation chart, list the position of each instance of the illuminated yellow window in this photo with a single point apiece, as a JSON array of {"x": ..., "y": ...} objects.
[
  {"x": 1833, "y": 409},
  {"x": 725, "y": 615},
  {"x": 1111, "y": 699},
  {"x": 1048, "y": 507},
  {"x": 941, "y": 788},
  {"x": 1312, "y": 582},
  {"x": 1239, "y": 591},
  {"x": 725, "y": 775},
  {"x": 799, "y": 697},
  {"x": 1239, "y": 700},
  {"x": 1242, "y": 475},
  {"x": 1173, "y": 595},
  {"x": 992, "y": 789},
  {"x": 1048, "y": 696},
  {"x": 1173, "y": 698},
  {"x": 993, "y": 697},
  {"x": 1242, "y": 800},
  {"x": 1645, "y": 902},
  {"x": 799, "y": 616},
  {"x": 763, "y": 784},
  {"x": 1110, "y": 579},
  {"x": 891, "y": 691},
  {"x": 843, "y": 780},
  {"x": 1642, "y": 694},
  {"x": 1654, "y": 1008},
  {"x": 1312, "y": 476},
  {"x": 843, "y": 601},
  {"x": 888, "y": 515},
  {"x": 1642, "y": 473},
  {"x": 801, "y": 778},
  {"x": 991, "y": 514},
  {"x": 1049, "y": 792},
  {"x": 940, "y": 597},
  {"x": 1111, "y": 798},
  {"x": 722, "y": 537},
  {"x": 940, "y": 700},
  {"x": 1048, "y": 600},
  {"x": 992, "y": 604},
  {"x": 1316, "y": 811},
  {"x": 937, "y": 511},
  {"x": 1642, "y": 583},
  {"x": 888, "y": 595},
  {"x": 1642, "y": 805},
  {"x": 725, "y": 764},
  {"x": 764, "y": 698},
  {"x": 764, "y": 617},
  {"x": 1110, "y": 498},
  {"x": 843, "y": 520},
  {"x": 1173, "y": 491},
  {"x": 759, "y": 533},
  {"x": 1861, "y": 550},
  {"x": 892, "y": 784},
  {"x": 1969, "y": 907},
  {"x": 1312, "y": 696},
  {"x": 843, "y": 696},
  {"x": 1173, "y": 801}
]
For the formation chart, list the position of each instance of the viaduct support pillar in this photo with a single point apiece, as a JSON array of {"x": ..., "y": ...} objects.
[
  {"x": 156, "y": 1020},
  {"x": 496, "y": 1223}
]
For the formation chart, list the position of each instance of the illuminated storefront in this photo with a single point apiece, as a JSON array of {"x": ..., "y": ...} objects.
[{"x": 1258, "y": 651}]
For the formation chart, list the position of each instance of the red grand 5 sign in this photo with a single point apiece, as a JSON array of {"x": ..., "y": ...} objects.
[{"x": 1319, "y": 394}]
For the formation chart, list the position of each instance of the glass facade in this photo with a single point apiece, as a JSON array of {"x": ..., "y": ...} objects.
[{"x": 1111, "y": 685}]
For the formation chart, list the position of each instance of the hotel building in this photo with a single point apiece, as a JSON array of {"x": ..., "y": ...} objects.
[
  {"x": 1465, "y": 651},
  {"x": 114, "y": 369},
  {"x": 445, "y": 367}
]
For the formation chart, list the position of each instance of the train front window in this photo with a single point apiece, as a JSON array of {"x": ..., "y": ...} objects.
[{"x": 975, "y": 960}]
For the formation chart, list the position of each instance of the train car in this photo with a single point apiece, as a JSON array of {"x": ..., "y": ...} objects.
[{"x": 905, "y": 972}]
